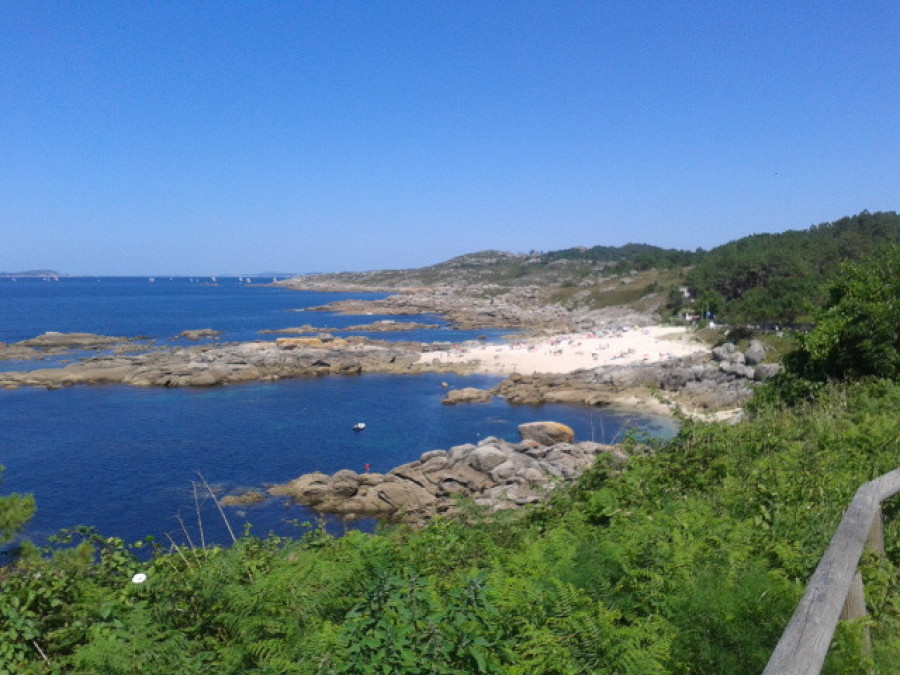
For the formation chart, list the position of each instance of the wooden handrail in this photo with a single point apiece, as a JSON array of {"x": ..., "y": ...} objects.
[{"x": 835, "y": 585}]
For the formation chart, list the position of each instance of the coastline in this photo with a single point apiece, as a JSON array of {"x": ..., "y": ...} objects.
[
  {"x": 616, "y": 359},
  {"x": 611, "y": 357}
]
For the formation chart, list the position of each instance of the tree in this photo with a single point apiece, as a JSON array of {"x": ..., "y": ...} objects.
[
  {"x": 858, "y": 331},
  {"x": 15, "y": 511},
  {"x": 781, "y": 278},
  {"x": 710, "y": 302}
]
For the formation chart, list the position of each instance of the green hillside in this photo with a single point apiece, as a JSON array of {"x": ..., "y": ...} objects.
[
  {"x": 764, "y": 278},
  {"x": 781, "y": 278}
]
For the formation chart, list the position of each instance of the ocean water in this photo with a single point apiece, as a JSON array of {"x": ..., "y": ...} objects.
[
  {"x": 163, "y": 308},
  {"x": 125, "y": 460}
]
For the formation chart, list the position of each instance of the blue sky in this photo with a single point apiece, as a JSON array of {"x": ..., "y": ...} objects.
[{"x": 215, "y": 137}]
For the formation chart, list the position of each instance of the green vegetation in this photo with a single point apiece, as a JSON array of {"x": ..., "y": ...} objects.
[
  {"x": 780, "y": 278},
  {"x": 772, "y": 279},
  {"x": 624, "y": 259},
  {"x": 15, "y": 511},
  {"x": 639, "y": 290},
  {"x": 858, "y": 333}
]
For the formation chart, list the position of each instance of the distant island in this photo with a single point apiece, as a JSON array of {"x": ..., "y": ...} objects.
[{"x": 33, "y": 273}]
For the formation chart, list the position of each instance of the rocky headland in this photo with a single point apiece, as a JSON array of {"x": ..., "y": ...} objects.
[{"x": 464, "y": 308}]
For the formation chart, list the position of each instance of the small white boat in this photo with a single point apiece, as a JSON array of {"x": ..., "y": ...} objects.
[{"x": 359, "y": 426}]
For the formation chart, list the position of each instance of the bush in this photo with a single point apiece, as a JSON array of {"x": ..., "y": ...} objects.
[
  {"x": 15, "y": 511},
  {"x": 858, "y": 332}
]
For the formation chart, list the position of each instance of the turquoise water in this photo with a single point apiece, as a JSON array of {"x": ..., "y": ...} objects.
[{"x": 125, "y": 459}]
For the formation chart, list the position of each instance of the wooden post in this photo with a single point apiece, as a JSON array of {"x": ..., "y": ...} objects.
[
  {"x": 855, "y": 602},
  {"x": 875, "y": 540},
  {"x": 835, "y": 590}
]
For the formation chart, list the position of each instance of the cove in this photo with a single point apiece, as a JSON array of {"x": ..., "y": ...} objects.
[{"x": 123, "y": 459}]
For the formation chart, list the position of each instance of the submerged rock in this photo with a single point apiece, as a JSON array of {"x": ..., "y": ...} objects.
[
  {"x": 52, "y": 339},
  {"x": 200, "y": 333},
  {"x": 249, "y": 497}
]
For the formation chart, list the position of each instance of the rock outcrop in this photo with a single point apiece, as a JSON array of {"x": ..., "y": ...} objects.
[
  {"x": 517, "y": 308},
  {"x": 700, "y": 383},
  {"x": 546, "y": 433},
  {"x": 51, "y": 340},
  {"x": 494, "y": 473},
  {"x": 200, "y": 333},
  {"x": 467, "y": 395},
  {"x": 60, "y": 344},
  {"x": 212, "y": 365}
]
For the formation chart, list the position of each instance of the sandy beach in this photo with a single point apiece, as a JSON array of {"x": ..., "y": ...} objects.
[{"x": 568, "y": 353}]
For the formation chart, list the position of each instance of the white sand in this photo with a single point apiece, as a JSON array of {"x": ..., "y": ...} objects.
[{"x": 567, "y": 353}]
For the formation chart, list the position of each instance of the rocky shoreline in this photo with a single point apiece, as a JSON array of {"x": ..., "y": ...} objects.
[
  {"x": 722, "y": 379},
  {"x": 515, "y": 309},
  {"x": 494, "y": 474},
  {"x": 222, "y": 364}
]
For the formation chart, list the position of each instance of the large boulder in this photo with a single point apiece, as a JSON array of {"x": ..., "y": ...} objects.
[
  {"x": 737, "y": 368},
  {"x": 723, "y": 352},
  {"x": 546, "y": 433},
  {"x": 344, "y": 483},
  {"x": 486, "y": 457},
  {"x": 755, "y": 353},
  {"x": 518, "y": 467},
  {"x": 404, "y": 496},
  {"x": 306, "y": 488}
]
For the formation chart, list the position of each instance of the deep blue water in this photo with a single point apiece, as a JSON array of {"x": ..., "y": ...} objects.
[
  {"x": 161, "y": 310},
  {"x": 123, "y": 459}
]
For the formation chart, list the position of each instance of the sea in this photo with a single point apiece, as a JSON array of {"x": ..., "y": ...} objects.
[{"x": 145, "y": 462}]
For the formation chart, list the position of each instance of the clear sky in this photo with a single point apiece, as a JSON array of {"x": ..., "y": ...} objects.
[{"x": 233, "y": 137}]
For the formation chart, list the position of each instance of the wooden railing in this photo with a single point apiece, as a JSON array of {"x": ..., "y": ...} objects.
[{"x": 835, "y": 590}]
